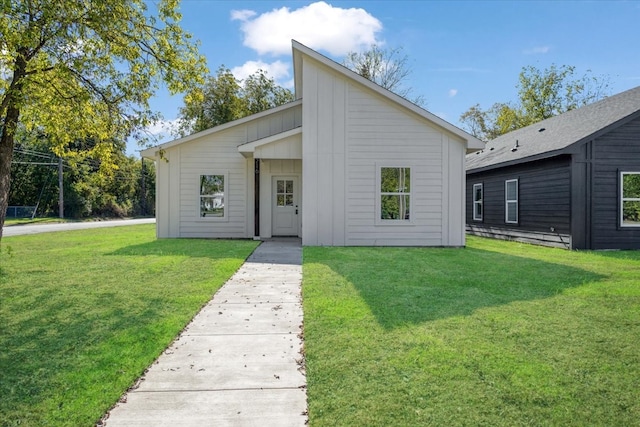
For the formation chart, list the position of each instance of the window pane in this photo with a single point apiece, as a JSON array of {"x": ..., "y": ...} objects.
[
  {"x": 478, "y": 210},
  {"x": 212, "y": 206},
  {"x": 631, "y": 186},
  {"x": 389, "y": 180},
  {"x": 394, "y": 207},
  {"x": 512, "y": 212},
  {"x": 478, "y": 193},
  {"x": 512, "y": 193},
  {"x": 631, "y": 213},
  {"x": 280, "y": 200},
  {"x": 211, "y": 184},
  {"x": 406, "y": 182},
  {"x": 395, "y": 180},
  {"x": 280, "y": 186},
  {"x": 289, "y": 200},
  {"x": 289, "y": 189}
]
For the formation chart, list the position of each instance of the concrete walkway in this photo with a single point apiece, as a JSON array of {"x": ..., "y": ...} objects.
[{"x": 238, "y": 363}]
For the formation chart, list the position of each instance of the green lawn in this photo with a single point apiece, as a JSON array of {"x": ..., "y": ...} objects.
[
  {"x": 83, "y": 313},
  {"x": 496, "y": 334},
  {"x": 24, "y": 221}
]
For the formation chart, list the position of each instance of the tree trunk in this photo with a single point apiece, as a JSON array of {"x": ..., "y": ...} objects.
[
  {"x": 6, "y": 155},
  {"x": 8, "y": 128}
]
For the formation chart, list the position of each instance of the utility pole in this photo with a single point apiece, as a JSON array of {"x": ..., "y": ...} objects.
[{"x": 60, "y": 190}]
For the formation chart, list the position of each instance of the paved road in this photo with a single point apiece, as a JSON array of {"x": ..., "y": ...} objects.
[{"x": 16, "y": 230}]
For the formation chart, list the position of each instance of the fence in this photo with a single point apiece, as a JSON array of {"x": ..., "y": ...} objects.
[{"x": 20, "y": 211}]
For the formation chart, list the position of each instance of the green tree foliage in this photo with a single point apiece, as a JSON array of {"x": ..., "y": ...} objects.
[
  {"x": 223, "y": 98},
  {"x": 90, "y": 189},
  {"x": 76, "y": 70},
  {"x": 541, "y": 94},
  {"x": 388, "y": 68}
]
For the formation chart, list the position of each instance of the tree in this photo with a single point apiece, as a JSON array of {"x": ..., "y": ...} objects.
[
  {"x": 260, "y": 93},
  {"x": 386, "y": 67},
  {"x": 223, "y": 98},
  {"x": 123, "y": 188},
  {"x": 541, "y": 94},
  {"x": 86, "y": 69}
]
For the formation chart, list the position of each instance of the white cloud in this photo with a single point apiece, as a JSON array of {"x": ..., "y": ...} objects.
[
  {"x": 537, "y": 50},
  {"x": 242, "y": 15},
  {"x": 277, "y": 70},
  {"x": 453, "y": 92},
  {"x": 318, "y": 25}
]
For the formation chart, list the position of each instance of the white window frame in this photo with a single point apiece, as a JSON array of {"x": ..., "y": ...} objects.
[
  {"x": 476, "y": 203},
  {"x": 225, "y": 209},
  {"x": 628, "y": 199},
  {"x": 508, "y": 202},
  {"x": 379, "y": 194}
]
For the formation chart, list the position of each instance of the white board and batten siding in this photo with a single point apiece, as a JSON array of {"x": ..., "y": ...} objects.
[{"x": 350, "y": 131}]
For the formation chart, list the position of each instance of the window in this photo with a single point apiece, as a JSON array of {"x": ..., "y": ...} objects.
[
  {"x": 511, "y": 201},
  {"x": 477, "y": 202},
  {"x": 395, "y": 193},
  {"x": 630, "y": 199},
  {"x": 284, "y": 192},
  {"x": 212, "y": 196}
]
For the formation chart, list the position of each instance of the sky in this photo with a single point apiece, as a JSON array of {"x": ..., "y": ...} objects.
[{"x": 460, "y": 53}]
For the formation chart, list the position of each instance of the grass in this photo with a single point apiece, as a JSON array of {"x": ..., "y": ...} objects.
[
  {"x": 83, "y": 313},
  {"x": 54, "y": 220},
  {"x": 496, "y": 334},
  {"x": 24, "y": 221}
]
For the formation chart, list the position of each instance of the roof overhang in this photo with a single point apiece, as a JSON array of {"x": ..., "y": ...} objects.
[{"x": 284, "y": 145}]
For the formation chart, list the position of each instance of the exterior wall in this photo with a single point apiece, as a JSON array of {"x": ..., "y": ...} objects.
[
  {"x": 349, "y": 133},
  {"x": 178, "y": 187},
  {"x": 273, "y": 124},
  {"x": 179, "y": 170},
  {"x": 286, "y": 148},
  {"x": 544, "y": 202},
  {"x": 616, "y": 151}
]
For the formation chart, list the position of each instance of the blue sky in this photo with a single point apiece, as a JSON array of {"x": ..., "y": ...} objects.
[{"x": 461, "y": 52}]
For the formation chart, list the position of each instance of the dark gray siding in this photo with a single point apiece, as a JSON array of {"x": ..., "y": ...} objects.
[
  {"x": 544, "y": 196},
  {"x": 615, "y": 152}
]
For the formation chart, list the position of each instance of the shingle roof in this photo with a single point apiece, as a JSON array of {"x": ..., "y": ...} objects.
[{"x": 559, "y": 132}]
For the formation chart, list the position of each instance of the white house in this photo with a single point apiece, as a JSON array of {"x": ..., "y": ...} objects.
[{"x": 347, "y": 163}]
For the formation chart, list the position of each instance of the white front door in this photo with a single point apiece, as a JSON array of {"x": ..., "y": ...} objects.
[{"x": 285, "y": 202}]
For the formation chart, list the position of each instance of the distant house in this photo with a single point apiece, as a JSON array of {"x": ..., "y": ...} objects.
[
  {"x": 571, "y": 181},
  {"x": 347, "y": 163}
]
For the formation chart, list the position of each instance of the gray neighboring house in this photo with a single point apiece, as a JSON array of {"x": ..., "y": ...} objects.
[{"x": 570, "y": 181}]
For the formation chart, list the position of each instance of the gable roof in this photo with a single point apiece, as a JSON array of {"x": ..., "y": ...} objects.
[
  {"x": 555, "y": 135},
  {"x": 299, "y": 49}
]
